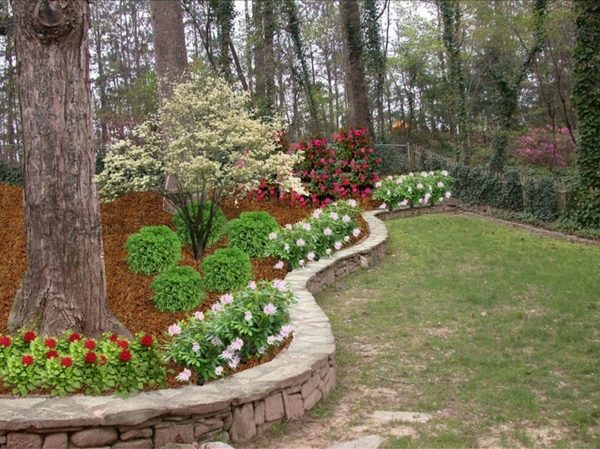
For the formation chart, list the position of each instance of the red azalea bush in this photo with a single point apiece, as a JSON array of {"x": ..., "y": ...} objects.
[
  {"x": 71, "y": 363},
  {"x": 341, "y": 167},
  {"x": 546, "y": 147}
]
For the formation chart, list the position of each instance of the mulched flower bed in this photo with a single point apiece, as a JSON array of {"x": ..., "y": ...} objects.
[{"x": 129, "y": 294}]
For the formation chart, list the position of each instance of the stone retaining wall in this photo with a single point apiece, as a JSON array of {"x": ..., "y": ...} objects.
[{"x": 235, "y": 408}]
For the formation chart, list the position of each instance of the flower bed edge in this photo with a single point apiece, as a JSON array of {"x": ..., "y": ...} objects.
[{"x": 236, "y": 408}]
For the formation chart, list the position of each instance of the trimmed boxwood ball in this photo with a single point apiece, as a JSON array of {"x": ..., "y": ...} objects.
[
  {"x": 226, "y": 270},
  {"x": 250, "y": 232},
  {"x": 152, "y": 249},
  {"x": 177, "y": 290},
  {"x": 219, "y": 224}
]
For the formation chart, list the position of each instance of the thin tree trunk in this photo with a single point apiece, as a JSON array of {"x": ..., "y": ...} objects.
[{"x": 64, "y": 286}]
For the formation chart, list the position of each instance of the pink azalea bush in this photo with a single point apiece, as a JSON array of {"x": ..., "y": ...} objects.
[
  {"x": 545, "y": 147},
  {"x": 343, "y": 166}
]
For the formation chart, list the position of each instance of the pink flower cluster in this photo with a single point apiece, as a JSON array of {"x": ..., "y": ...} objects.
[{"x": 548, "y": 147}]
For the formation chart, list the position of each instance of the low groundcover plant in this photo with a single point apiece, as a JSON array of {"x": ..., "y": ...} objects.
[
  {"x": 413, "y": 190},
  {"x": 244, "y": 324},
  {"x": 72, "y": 363}
]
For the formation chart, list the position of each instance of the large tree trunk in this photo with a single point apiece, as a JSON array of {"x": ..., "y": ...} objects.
[
  {"x": 357, "y": 96},
  {"x": 64, "y": 286},
  {"x": 169, "y": 44}
]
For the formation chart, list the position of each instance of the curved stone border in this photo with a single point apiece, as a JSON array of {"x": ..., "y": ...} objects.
[{"x": 235, "y": 408}]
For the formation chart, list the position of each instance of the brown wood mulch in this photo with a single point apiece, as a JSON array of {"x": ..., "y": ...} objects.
[{"x": 129, "y": 294}]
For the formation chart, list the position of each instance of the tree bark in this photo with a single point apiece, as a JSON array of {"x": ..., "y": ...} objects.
[
  {"x": 64, "y": 286},
  {"x": 357, "y": 96},
  {"x": 169, "y": 44}
]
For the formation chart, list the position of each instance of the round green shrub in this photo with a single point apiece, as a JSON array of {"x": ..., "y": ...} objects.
[
  {"x": 227, "y": 269},
  {"x": 177, "y": 290},
  {"x": 218, "y": 228},
  {"x": 250, "y": 232},
  {"x": 152, "y": 249}
]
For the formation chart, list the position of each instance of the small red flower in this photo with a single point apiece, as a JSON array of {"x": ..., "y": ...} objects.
[
  {"x": 102, "y": 359},
  {"x": 113, "y": 337},
  {"x": 66, "y": 362},
  {"x": 28, "y": 337},
  {"x": 5, "y": 341},
  {"x": 74, "y": 337},
  {"x": 51, "y": 354},
  {"x": 122, "y": 344},
  {"x": 91, "y": 358},
  {"x": 146, "y": 341},
  {"x": 125, "y": 356},
  {"x": 27, "y": 360},
  {"x": 50, "y": 343},
  {"x": 90, "y": 345}
]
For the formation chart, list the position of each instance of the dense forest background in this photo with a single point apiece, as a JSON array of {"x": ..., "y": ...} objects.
[{"x": 473, "y": 80}]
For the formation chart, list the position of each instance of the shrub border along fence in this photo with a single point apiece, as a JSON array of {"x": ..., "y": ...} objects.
[{"x": 236, "y": 408}]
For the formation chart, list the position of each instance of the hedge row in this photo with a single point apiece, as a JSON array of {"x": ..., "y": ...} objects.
[{"x": 476, "y": 186}]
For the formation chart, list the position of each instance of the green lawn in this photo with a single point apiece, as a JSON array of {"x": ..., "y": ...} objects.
[{"x": 495, "y": 332}]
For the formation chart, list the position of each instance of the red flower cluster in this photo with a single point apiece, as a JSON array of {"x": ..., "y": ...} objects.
[
  {"x": 74, "y": 337},
  {"x": 52, "y": 354},
  {"x": 28, "y": 337},
  {"x": 90, "y": 345},
  {"x": 91, "y": 358},
  {"x": 50, "y": 343},
  {"x": 146, "y": 341},
  {"x": 27, "y": 360},
  {"x": 66, "y": 361},
  {"x": 5, "y": 341},
  {"x": 125, "y": 356},
  {"x": 341, "y": 167}
]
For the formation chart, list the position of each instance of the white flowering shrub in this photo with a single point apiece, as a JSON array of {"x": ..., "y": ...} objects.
[
  {"x": 325, "y": 232},
  {"x": 413, "y": 190},
  {"x": 209, "y": 145},
  {"x": 242, "y": 325}
]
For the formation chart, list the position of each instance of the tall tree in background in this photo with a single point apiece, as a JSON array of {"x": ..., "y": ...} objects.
[
  {"x": 355, "y": 69},
  {"x": 224, "y": 13},
  {"x": 263, "y": 14},
  {"x": 169, "y": 44},
  {"x": 586, "y": 96},
  {"x": 451, "y": 17},
  {"x": 302, "y": 73},
  {"x": 508, "y": 87},
  {"x": 64, "y": 286},
  {"x": 375, "y": 60}
]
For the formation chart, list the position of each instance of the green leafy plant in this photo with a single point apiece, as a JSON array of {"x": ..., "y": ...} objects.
[
  {"x": 412, "y": 190},
  {"x": 328, "y": 230},
  {"x": 72, "y": 363},
  {"x": 152, "y": 249},
  {"x": 541, "y": 199},
  {"x": 217, "y": 229},
  {"x": 226, "y": 269},
  {"x": 177, "y": 289},
  {"x": 250, "y": 232},
  {"x": 240, "y": 326}
]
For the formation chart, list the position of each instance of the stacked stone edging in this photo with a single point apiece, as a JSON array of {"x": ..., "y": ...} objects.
[{"x": 236, "y": 408}]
